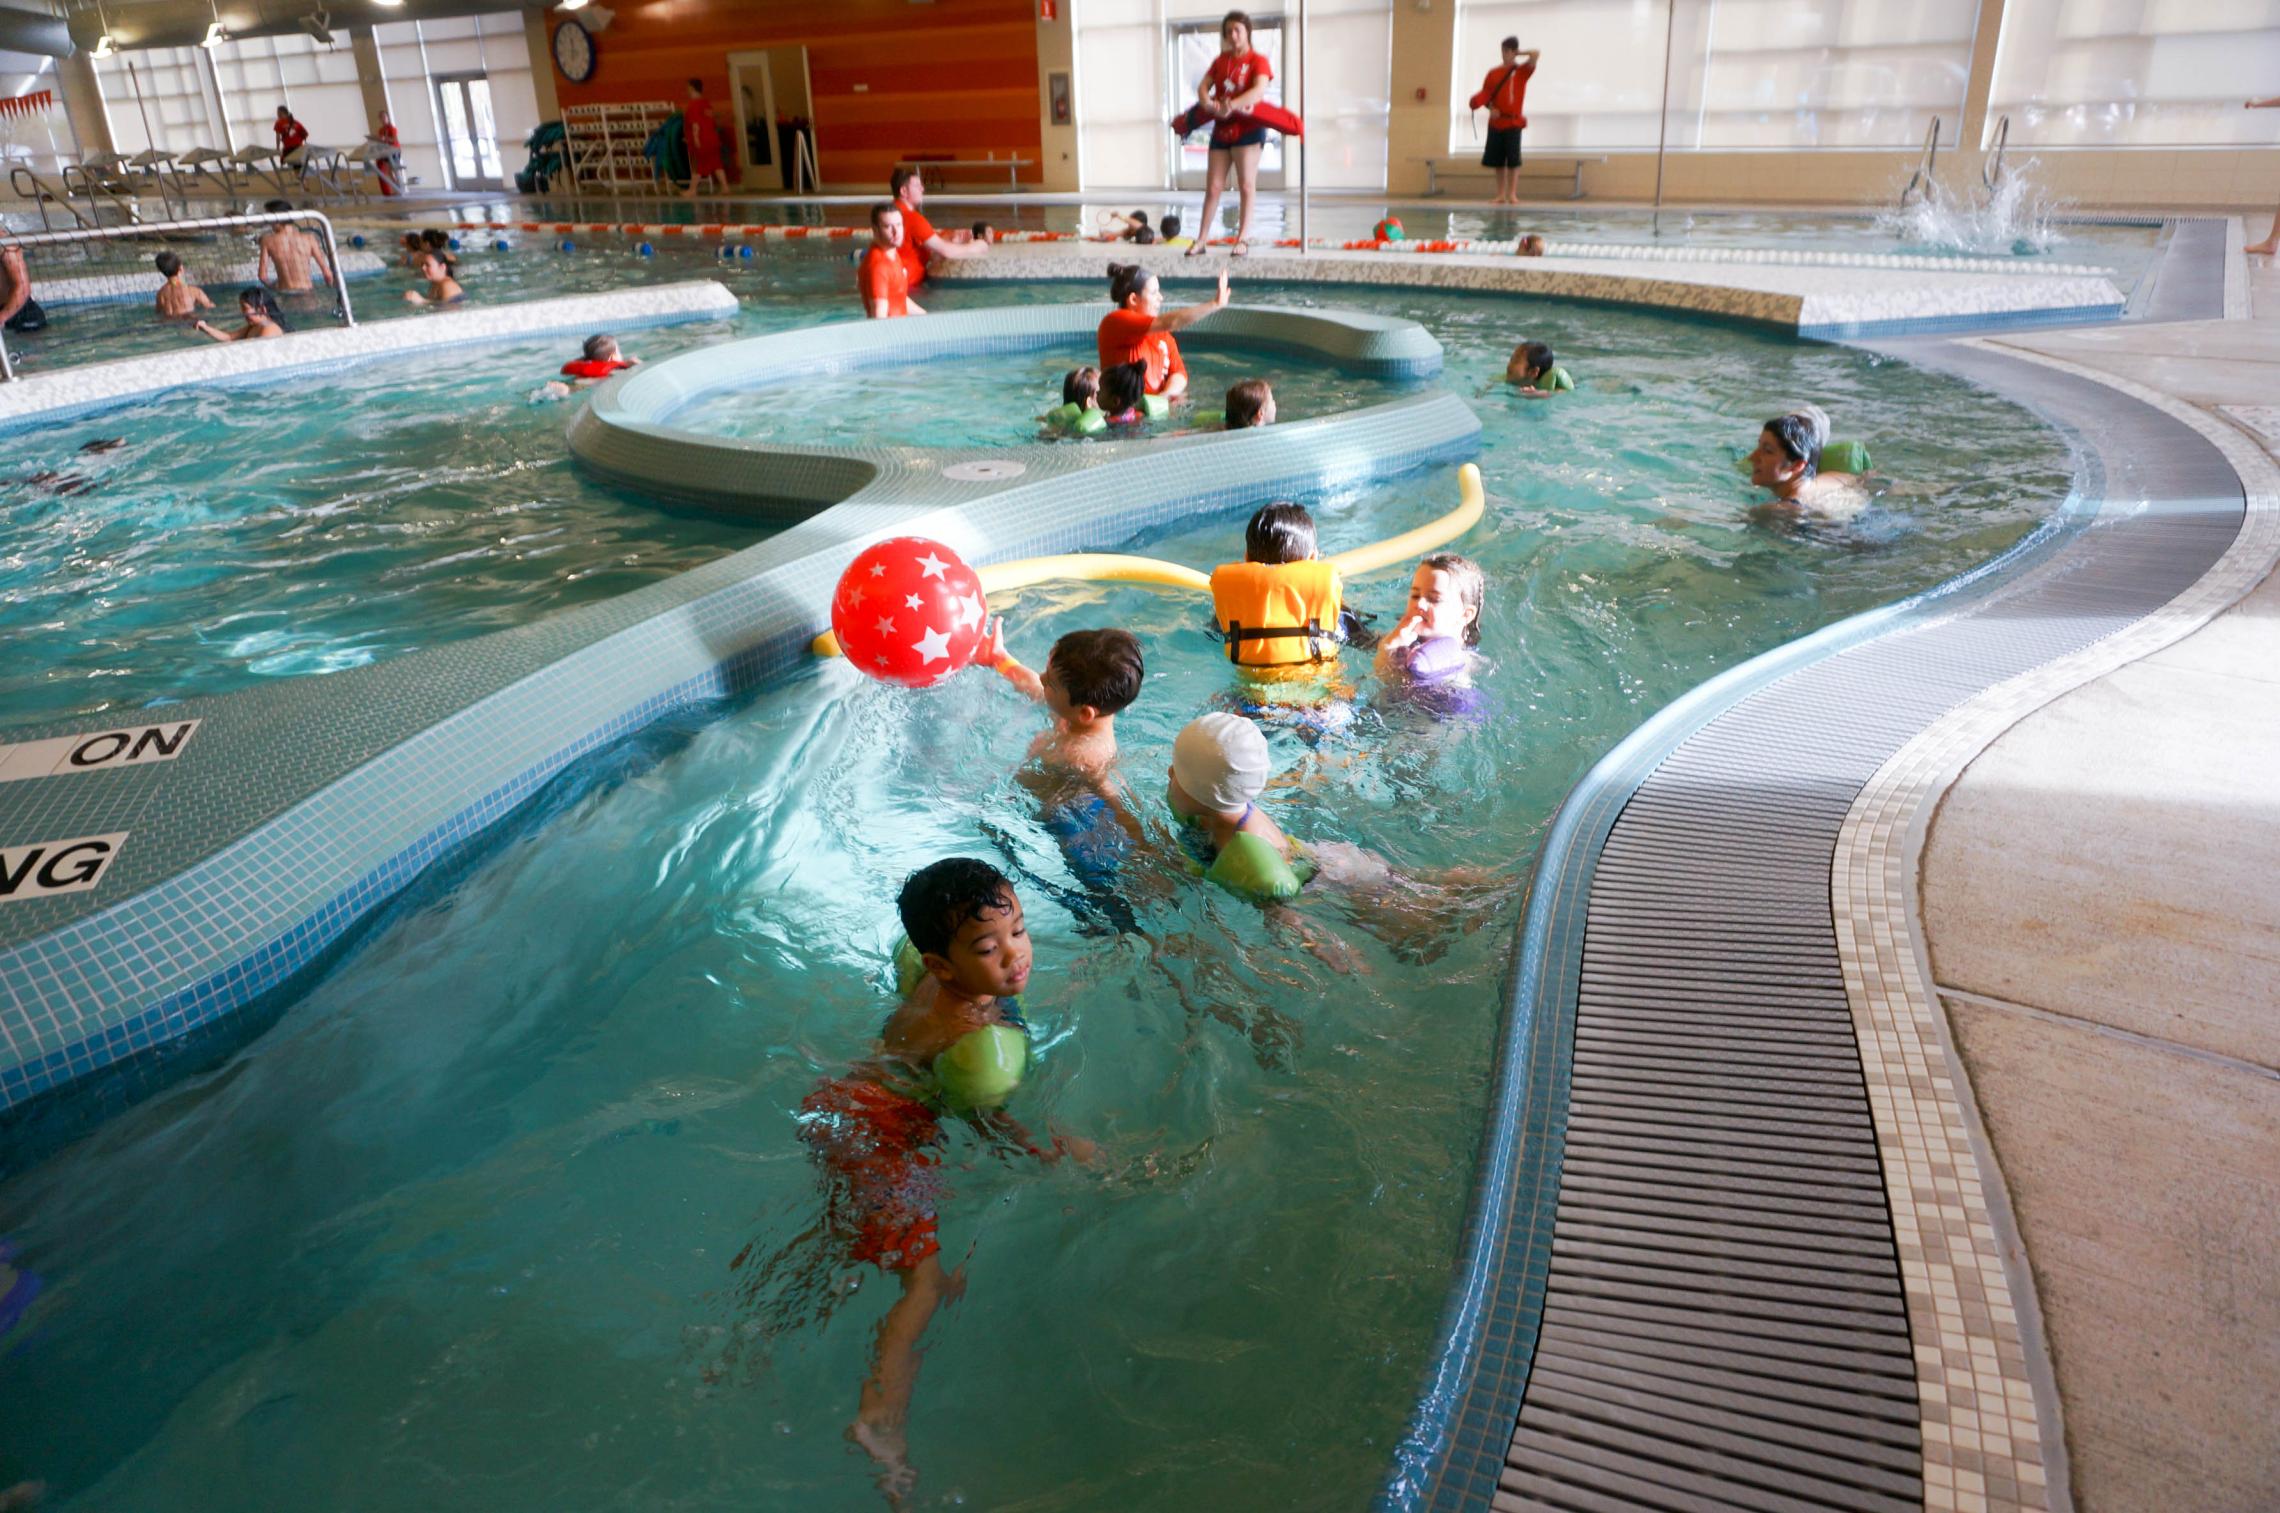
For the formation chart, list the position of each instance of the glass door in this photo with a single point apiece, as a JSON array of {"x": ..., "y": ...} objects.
[
  {"x": 1194, "y": 44},
  {"x": 470, "y": 134}
]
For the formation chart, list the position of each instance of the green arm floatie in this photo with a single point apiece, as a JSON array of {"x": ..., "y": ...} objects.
[
  {"x": 1061, "y": 417},
  {"x": 982, "y": 1069},
  {"x": 1155, "y": 406},
  {"x": 1845, "y": 457},
  {"x": 1555, "y": 381},
  {"x": 1090, "y": 422},
  {"x": 1251, "y": 866}
]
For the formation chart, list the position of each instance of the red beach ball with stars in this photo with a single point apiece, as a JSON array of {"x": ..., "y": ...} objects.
[{"x": 909, "y": 611}]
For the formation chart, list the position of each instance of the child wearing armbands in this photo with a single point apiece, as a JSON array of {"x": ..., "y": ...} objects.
[
  {"x": 956, "y": 1046},
  {"x": 1124, "y": 396},
  {"x": 1535, "y": 372},
  {"x": 1428, "y": 656},
  {"x": 1079, "y": 411}
]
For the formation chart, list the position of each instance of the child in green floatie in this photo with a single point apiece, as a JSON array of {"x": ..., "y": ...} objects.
[
  {"x": 956, "y": 1046},
  {"x": 1079, "y": 410},
  {"x": 1535, "y": 372}
]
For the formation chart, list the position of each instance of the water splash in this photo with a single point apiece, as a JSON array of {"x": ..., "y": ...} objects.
[{"x": 2014, "y": 219}]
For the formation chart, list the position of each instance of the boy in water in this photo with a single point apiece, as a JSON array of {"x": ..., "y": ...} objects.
[
  {"x": 1250, "y": 403},
  {"x": 1090, "y": 677},
  {"x": 177, "y": 296},
  {"x": 873, "y": 1129},
  {"x": 1530, "y": 370},
  {"x": 288, "y": 257}
]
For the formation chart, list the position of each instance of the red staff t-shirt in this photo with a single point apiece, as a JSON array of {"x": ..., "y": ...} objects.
[
  {"x": 1229, "y": 75},
  {"x": 917, "y": 232},
  {"x": 884, "y": 277},
  {"x": 1125, "y": 336},
  {"x": 1505, "y": 93}
]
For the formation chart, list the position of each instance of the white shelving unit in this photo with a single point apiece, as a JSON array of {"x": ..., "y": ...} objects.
[{"x": 604, "y": 143}]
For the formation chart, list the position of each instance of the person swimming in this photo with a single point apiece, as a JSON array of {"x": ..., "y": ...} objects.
[
  {"x": 263, "y": 320},
  {"x": 1787, "y": 464}
]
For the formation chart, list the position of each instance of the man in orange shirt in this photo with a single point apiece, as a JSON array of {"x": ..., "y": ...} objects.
[
  {"x": 883, "y": 281},
  {"x": 1505, "y": 93},
  {"x": 920, "y": 239}
]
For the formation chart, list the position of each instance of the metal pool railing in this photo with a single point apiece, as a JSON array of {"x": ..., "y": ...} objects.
[
  {"x": 83, "y": 234},
  {"x": 1921, "y": 180}
]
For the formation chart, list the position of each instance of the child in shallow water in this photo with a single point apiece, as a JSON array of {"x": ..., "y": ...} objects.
[
  {"x": 442, "y": 288},
  {"x": 956, "y": 1046},
  {"x": 262, "y": 319},
  {"x": 1122, "y": 389},
  {"x": 1428, "y": 655},
  {"x": 177, "y": 297},
  {"x": 1090, "y": 677}
]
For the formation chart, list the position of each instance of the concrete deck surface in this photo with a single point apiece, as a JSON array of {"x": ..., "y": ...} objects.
[{"x": 2100, "y": 903}]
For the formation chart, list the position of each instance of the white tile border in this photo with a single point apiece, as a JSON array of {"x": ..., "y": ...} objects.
[{"x": 1992, "y": 1432}]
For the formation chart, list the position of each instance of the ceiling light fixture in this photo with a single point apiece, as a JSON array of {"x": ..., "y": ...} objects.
[
  {"x": 103, "y": 44},
  {"x": 572, "y": 5},
  {"x": 215, "y": 35},
  {"x": 389, "y": 4}
]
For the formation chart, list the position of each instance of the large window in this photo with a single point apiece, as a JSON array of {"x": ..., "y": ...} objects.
[
  {"x": 317, "y": 83},
  {"x": 2098, "y": 73},
  {"x": 34, "y": 130},
  {"x": 1127, "y": 88},
  {"x": 1743, "y": 73},
  {"x": 442, "y": 78},
  {"x": 157, "y": 97}
]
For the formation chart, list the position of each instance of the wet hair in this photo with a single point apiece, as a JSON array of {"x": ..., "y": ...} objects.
[
  {"x": 259, "y": 298},
  {"x": 435, "y": 241},
  {"x": 1126, "y": 280},
  {"x": 1280, "y": 532},
  {"x": 898, "y": 178},
  {"x": 433, "y": 255},
  {"x": 1098, "y": 667},
  {"x": 1531, "y": 245},
  {"x": 1143, "y": 235},
  {"x": 938, "y": 899},
  {"x": 277, "y": 207},
  {"x": 1138, "y": 215},
  {"x": 1079, "y": 385},
  {"x": 1471, "y": 584},
  {"x": 1169, "y": 227},
  {"x": 413, "y": 241},
  {"x": 1249, "y": 31},
  {"x": 1122, "y": 386},
  {"x": 1799, "y": 441},
  {"x": 600, "y": 347},
  {"x": 1536, "y": 355},
  {"x": 1245, "y": 403},
  {"x": 983, "y": 232},
  {"x": 882, "y": 210},
  {"x": 168, "y": 264}
]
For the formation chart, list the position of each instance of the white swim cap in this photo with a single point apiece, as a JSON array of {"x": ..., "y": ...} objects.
[
  {"x": 1816, "y": 417},
  {"x": 1220, "y": 760}
]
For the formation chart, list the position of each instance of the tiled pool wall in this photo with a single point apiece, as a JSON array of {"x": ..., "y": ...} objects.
[{"x": 297, "y": 808}]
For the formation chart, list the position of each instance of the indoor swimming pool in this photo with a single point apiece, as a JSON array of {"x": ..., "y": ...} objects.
[{"x": 503, "y": 1206}]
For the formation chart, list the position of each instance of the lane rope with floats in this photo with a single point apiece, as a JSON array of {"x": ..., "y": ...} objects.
[{"x": 1112, "y": 567}]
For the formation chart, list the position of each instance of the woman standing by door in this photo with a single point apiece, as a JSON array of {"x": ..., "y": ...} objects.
[
  {"x": 700, "y": 133},
  {"x": 1236, "y": 81}
]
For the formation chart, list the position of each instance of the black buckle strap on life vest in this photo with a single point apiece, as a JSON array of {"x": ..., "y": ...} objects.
[{"x": 1237, "y": 634}]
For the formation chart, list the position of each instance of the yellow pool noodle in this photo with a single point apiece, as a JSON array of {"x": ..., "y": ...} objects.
[{"x": 1110, "y": 567}]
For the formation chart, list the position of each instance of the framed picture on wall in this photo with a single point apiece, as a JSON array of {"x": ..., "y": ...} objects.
[{"x": 1057, "y": 93}]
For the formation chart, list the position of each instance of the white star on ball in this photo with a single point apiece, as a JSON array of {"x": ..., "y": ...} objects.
[
  {"x": 886, "y": 626},
  {"x": 878, "y": 569},
  {"x": 933, "y": 566},
  {"x": 934, "y": 646},
  {"x": 970, "y": 610},
  {"x": 912, "y": 601}
]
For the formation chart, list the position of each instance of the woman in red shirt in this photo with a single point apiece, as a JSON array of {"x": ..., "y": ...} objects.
[
  {"x": 1236, "y": 81},
  {"x": 1140, "y": 329},
  {"x": 290, "y": 135}
]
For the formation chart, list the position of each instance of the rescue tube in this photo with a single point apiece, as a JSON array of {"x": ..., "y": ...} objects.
[
  {"x": 1113, "y": 567},
  {"x": 1265, "y": 113},
  {"x": 585, "y": 367}
]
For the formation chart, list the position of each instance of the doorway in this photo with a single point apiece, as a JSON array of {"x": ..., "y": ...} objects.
[
  {"x": 1193, "y": 45},
  {"x": 752, "y": 90},
  {"x": 470, "y": 132}
]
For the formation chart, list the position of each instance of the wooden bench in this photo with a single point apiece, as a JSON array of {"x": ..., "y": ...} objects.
[
  {"x": 1549, "y": 169},
  {"x": 933, "y": 170}
]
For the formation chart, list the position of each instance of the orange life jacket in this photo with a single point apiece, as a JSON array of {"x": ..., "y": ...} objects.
[{"x": 1277, "y": 614}]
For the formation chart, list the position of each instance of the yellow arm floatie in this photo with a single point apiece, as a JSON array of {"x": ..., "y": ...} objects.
[{"x": 1110, "y": 567}]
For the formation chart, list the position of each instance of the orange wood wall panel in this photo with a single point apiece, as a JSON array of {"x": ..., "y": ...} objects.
[{"x": 953, "y": 78}]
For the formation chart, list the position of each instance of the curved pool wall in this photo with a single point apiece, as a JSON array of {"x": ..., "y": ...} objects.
[
  {"x": 69, "y": 392},
  {"x": 626, "y": 431},
  {"x": 220, "y": 848},
  {"x": 1683, "y": 1272}
]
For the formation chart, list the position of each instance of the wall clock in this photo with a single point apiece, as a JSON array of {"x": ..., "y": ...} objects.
[{"x": 574, "y": 51}]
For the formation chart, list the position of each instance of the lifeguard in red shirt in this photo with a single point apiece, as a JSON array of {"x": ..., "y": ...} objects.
[
  {"x": 920, "y": 240},
  {"x": 1236, "y": 81},
  {"x": 292, "y": 136},
  {"x": 1505, "y": 93},
  {"x": 884, "y": 280},
  {"x": 1140, "y": 329},
  {"x": 700, "y": 135}
]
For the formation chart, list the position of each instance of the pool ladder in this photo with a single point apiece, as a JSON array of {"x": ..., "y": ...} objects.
[
  {"x": 1920, "y": 182},
  {"x": 1991, "y": 172}
]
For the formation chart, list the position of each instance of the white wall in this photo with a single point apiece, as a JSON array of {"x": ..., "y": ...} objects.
[
  {"x": 41, "y": 138},
  {"x": 2168, "y": 73}
]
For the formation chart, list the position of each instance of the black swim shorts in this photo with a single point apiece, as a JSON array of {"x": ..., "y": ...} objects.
[
  {"x": 1255, "y": 137},
  {"x": 30, "y": 318},
  {"x": 1503, "y": 149}
]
